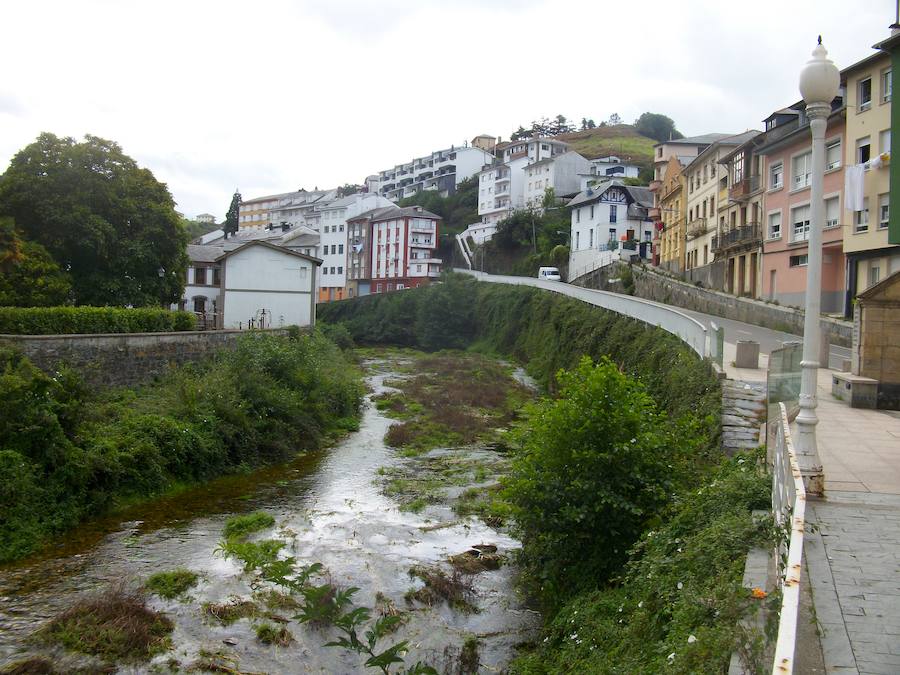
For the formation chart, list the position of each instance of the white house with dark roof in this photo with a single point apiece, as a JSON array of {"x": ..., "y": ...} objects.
[
  {"x": 609, "y": 220},
  {"x": 561, "y": 173}
]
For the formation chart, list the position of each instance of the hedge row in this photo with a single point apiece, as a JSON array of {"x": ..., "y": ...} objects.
[{"x": 74, "y": 320}]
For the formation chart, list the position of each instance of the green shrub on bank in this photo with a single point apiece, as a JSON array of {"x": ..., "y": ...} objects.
[
  {"x": 78, "y": 320},
  {"x": 65, "y": 456},
  {"x": 679, "y": 605},
  {"x": 592, "y": 467}
]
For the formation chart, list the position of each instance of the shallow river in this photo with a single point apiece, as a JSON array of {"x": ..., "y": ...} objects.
[{"x": 329, "y": 508}]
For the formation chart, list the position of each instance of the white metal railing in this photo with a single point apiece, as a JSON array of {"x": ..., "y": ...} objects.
[
  {"x": 669, "y": 319},
  {"x": 789, "y": 509}
]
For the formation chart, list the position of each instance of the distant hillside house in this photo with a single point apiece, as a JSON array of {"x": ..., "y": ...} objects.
[
  {"x": 609, "y": 221},
  {"x": 440, "y": 171},
  {"x": 560, "y": 173},
  {"x": 613, "y": 167},
  {"x": 207, "y": 218}
]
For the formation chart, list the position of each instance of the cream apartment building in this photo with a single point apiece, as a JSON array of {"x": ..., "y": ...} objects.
[{"x": 870, "y": 258}]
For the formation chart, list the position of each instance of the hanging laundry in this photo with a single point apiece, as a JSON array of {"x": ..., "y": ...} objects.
[{"x": 853, "y": 187}]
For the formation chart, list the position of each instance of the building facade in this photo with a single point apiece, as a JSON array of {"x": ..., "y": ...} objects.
[
  {"x": 606, "y": 220},
  {"x": 442, "y": 171},
  {"x": 560, "y": 173},
  {"x": 870, "y": 255},
  {"x": 403, "y": 246},
  {"x": 669, "y": 217},
  {"x": 786, "y": 179}
]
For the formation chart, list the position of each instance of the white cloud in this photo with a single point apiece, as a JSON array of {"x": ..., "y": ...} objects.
[{"x": 277, "y": 95}]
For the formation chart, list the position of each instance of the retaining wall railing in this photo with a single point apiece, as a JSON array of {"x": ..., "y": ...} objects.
[
  {"x": 688, "y": 329},
  {"x": 789, "y": 509}
]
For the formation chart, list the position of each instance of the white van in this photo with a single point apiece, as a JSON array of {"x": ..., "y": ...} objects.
[{"x": 549, "y": 274}]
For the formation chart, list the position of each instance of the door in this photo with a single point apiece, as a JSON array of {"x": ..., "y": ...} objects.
[{"x": 742, "y": 274}]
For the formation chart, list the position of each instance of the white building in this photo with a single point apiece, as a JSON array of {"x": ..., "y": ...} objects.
[
  {"x": 288, "y": 207},
  {"x": 442, "y": 170},
  {"x": 206, "y": 218},
  {"x": 332, "y": 222},
  {"x": 560, "y": 173},
  {"x": 613, "y": 167},
  {"x": 501, "y": 185},
  {"x": 606, "y": 217},
  {"x": 268, "y": 286}
]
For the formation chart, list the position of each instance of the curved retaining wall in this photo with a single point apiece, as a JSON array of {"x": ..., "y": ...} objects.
[{"x": 670, "y": 320}]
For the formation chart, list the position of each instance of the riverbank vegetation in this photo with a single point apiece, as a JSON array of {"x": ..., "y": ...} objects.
[
  {"x": 634, "y": 525},
  {"x": 67, "y": 454}
]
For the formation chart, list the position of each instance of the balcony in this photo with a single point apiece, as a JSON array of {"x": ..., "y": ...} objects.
[
  {"x": 420, "y": 225},
  {"x": 745, "y": 235},
  {"x": 670, "y": 189},
  {"x": 696, "y": 228},
  {"x": 655, "y": 185},
  {"x": 654, "y": 213},
  {"x": 743, "y": 189}
]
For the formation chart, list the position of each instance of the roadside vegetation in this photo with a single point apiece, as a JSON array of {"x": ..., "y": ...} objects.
[
  {"x": 67, "y": 454},
  {"x": 634, "y": 526}
]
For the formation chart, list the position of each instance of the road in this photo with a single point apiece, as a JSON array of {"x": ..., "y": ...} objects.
[{"x": 767, "y": 338}]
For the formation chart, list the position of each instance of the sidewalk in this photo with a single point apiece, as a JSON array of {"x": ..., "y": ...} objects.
[{"x": 852, "y": 547}]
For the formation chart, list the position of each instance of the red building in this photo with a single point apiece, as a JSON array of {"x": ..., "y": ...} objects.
[{"x": 403, "y": 243}]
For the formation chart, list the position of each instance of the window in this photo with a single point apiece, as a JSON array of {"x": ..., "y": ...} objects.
[
  {"x": 578, "y": 215},
  {"x": 802, "y": 167},
  {"x": 340, "y": 270},
  {"x": 418, "y": 268},
  {"x": 591, "y": 239},
  {"x": 861, "y": 218},
  {"x": 577, "y": 241},
  {"x": 200, "y": 276},
  {"x": 884, "y": 210},
  {"x": 874, "y": 274},
  {"x": 833, "y": 154},
  {"x": 864, "y": 94},
  {"x": 884, "y": 141},
  {"x": 340, "y": 248},
  {"x": 648, "y": 235},
  {"x": 216, "y": 278},
  {"x": 887, "y": 85},
  {"x": 799, "y": 260},
  {"x": 613, "y": 213},
  {"x": 800, "y": 223},
  {"x": 863, "y": 150},
  {"x": 774, "y": 225},
  {"x": 776, "y": 176},
  {"x": 832, "y": 212},
  {"x": 737, "y": 168},
  {"x": 592, "y": 211},
  {"x": 332, "y": 270},
  {"x": 341, "y": 227}
]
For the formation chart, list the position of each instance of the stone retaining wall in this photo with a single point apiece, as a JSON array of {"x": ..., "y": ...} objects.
[
  {"x": 121, "y": 359},
  {"x": 661, "y": 288}
]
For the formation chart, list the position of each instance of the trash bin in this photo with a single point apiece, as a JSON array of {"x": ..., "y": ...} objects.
[{"x": 747, "y": 354}]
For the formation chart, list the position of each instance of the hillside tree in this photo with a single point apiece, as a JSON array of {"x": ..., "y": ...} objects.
[
  {"x": 30, "y": 276},
  {"x": 103, "y": 219},
  {"x": 656, "y": 126},
  {"x": 230, "y": 226}
]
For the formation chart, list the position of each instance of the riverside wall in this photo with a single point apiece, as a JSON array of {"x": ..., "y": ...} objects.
[
  {"x": 122, "y": 359},
  {"x": 662, "y": 288}
]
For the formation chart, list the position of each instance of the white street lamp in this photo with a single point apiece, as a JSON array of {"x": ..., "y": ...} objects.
[{"x": 819, "y": 84}]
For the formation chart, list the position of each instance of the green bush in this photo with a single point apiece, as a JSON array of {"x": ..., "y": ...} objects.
[
  {"x": 65, "y": 456},
  {"x": 76, "y": 320},
  {"x": 592, "y": 467}
]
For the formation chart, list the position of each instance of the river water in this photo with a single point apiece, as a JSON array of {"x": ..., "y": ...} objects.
[{"x": 329, "y": 508}]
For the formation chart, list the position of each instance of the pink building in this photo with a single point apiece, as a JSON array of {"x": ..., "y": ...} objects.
[
  {"x": 787, "y": 174},
  {"x": 404, "y": 242}
]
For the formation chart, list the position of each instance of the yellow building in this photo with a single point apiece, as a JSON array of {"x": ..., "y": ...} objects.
[
  {"x": 870, "y": 258},
  {"x": 671, "y": 207}
]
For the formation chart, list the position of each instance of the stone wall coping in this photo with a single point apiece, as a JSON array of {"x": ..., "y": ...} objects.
[
  {"x": 850, "y": 377},
  {"x": 739, "y": 298},
  {"x": 178, "y": 333}
]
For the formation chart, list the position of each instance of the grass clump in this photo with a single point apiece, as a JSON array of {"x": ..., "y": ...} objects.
[
  {"x": 273, "y": 635},
  {"x": 244, "y": 525},
  {"x": 115, "y": 625},
  {"x": 454, "y": 589},
  {"x": 226, "y": 613},
  {"x": 276, "y": 600},
  {"x": 479, "y": 558},
  {"x": 170, "y": 585}
]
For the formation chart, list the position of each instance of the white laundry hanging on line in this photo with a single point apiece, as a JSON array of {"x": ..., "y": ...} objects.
[{"x": 853, "y": 187}]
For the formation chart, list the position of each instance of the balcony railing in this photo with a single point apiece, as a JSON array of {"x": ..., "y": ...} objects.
[
  {"x": 744, "y": 188},
  {"x": 696, "y": 228},
  {"x": 751, "y": 233}
]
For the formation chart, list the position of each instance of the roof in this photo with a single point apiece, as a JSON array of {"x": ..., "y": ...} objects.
[
  {"x": 730, "y": 140},
  {"x": 703, "y": 139},
  {"x": 868, "y": 60},
  {"x": 592, "y": 194},
  {"x": 371, "y": 214},
  {"x": 201, "y": 253},
  {"x": 880, "y": 288},
  {"x": 404, "y": 212},
  {"x": 280, "y": 249},
  {"x": 641, "y": 195}
]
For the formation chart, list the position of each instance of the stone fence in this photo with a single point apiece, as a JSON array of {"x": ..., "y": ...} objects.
[
  {"x": 122, "y": 359},
  {"x": 652, "y": 285}
]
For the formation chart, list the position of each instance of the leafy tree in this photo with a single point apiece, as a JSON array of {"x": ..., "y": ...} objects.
[
  {"x": 348, "y": 189},
  {"x": 615, "y": 119},
  {"x": 591, "y": 470},
  {"x": 196, "y": 229},
  {"x": 231, "y": 218},
  {"x": 657, "y": 126},
  {"x": 519, "y": 134},
  {"x": 30, "y": 276},
  {"x": 107, "y": 222}
]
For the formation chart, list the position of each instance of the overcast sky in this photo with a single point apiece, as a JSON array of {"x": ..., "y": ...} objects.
[{"x": 273, "y": 96}]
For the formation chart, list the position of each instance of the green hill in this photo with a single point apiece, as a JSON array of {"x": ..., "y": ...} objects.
[{"x": 620, "y": 140}]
